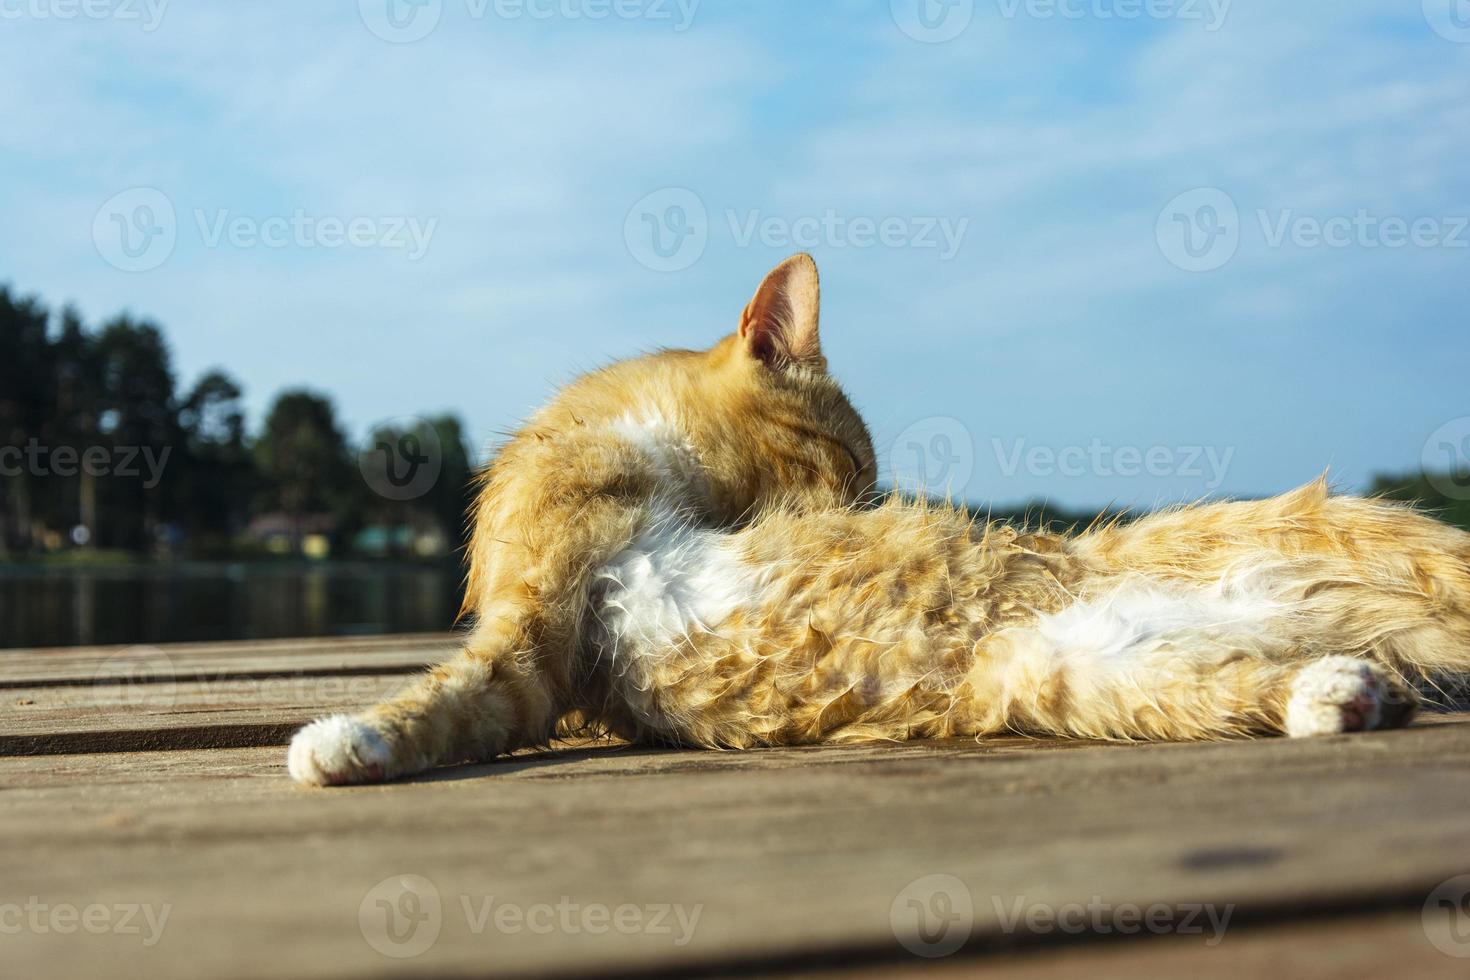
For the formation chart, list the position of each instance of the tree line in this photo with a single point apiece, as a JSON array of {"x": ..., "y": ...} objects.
[{"x": 102, "y": 448}]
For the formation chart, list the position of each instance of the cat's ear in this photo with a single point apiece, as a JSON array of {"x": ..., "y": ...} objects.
[{"x": 779, "y": 327}]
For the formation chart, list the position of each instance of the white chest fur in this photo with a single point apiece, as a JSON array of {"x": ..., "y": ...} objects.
[{"x": 673, "y": 582}]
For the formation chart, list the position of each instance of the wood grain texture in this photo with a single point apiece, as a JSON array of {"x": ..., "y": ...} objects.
[
  {"x": 146, "y": 698},
  {"x": 794, "y": 858},
  {"x": 255, "y": 658},
  {"x": 167, "y": 714}
]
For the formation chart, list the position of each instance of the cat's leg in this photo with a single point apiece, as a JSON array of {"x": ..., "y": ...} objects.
[
  {"x": 535, "y": 550},
  {"x": 477, "y": 705},
  {"x": 1155, "y": 665},
  {"x": 471, "y": 707}
]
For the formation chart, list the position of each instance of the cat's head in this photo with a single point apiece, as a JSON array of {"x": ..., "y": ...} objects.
[
  {"x": 781, "y": 429},
  {"x": 754, "y": 422}
]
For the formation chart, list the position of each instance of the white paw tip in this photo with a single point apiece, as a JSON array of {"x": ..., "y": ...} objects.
[
  {"x": 1334, "y": 695},
  {"x": 335, "y": 750}
]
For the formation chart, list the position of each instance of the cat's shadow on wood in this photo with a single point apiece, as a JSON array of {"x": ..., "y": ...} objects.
[
  {"x": 610, "y": 758},
  {"x": 597, "y": 758}
]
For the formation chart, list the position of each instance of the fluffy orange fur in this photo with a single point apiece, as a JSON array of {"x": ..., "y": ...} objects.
[{"x": 682, "y": 547}]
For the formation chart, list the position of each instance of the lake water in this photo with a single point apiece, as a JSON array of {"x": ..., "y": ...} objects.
[{"x": 42, "y": 606}]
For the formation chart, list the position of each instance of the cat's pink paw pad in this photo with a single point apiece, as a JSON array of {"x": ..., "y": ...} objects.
[
  {"x": 337, "y": 750},
  {"x": 1333, "y": 695}
]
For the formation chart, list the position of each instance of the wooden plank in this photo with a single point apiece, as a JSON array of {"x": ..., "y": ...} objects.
[
  {"x": 192, "y": 661},
  {"x": 114, "y": 699},
  {"x": 1346, "y": 948},
  {"x": 167, "y": 714},
  {"x": 794, "y": 858}
]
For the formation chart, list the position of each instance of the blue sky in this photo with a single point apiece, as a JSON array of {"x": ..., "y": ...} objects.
[{"x": 1064, "y": 341}]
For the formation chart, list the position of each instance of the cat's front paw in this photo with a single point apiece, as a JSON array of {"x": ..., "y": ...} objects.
[
  {"x": 338, "y": 750},
  {"x": 1345, "y": 694}
]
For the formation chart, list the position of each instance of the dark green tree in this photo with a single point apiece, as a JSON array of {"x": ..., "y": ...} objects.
[
  {"x": 77, "y": 411},
  {"x": 1429, "y": 494},
  {"x": 137, "y": 416},
  {"x": 453, "y": 494},
  {"x": 218, "y": 478},
  {"x": 26, "y": 397},
  {"x": 303, "y": 459}
]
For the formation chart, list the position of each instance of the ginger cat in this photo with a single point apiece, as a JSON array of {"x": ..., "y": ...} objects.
[{"x": 678, "y": 548}]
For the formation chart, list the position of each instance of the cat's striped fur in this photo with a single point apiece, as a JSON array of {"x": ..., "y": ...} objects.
[{"x": 676, "y": 549}]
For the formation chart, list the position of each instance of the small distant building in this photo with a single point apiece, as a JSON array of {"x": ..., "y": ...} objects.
[
  {"x": 279, "y": 533},
  {"x": 383, "y": 540}
]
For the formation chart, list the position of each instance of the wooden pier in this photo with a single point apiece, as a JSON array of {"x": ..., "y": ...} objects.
[{"x": 150, "y": 831}]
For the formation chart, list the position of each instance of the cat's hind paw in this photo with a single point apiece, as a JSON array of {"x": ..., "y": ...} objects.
[
  {"x": 338, "y": 750},
  {"x": 1345, "y": 694}
]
